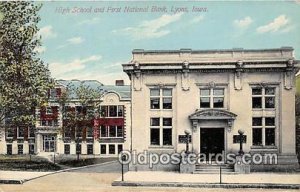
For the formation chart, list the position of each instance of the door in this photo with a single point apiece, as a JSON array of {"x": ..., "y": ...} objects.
[
  {"x": 49, "y": 143},
  {"x": 211, "y": 141}
]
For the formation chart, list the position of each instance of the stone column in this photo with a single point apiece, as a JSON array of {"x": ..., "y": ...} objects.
[
  {"x": 25, "y": 147},
  {"x": 38, "y": 143},
  {"x": 195, "y": 133}
]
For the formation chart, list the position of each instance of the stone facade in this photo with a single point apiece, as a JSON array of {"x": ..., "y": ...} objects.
[{"x": 215, "y": 92}]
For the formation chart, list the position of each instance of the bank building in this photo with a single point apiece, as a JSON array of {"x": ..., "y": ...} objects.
[{"x": 212, "y": 94}]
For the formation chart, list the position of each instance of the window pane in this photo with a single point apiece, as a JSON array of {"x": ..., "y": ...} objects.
[
  {"x": 167, "y": 121},
  {"x": 154, "y": 103},
  {"x": 218, "y": 91},
  {"x": 90, "y": 149},
  {"x": 112, "y": 131},
  {"x": 120, "y": 110},
  {"x": 103, "y": 131},
  {"x": 20, "y": 149},
  {"x": 119, "y": 131},
  {"x": 270, "y": 136},
  {"x": 167, "y": 136},
  {"x": 256, "y": 121},
  {"x": 270, "y": 121},
  {"x": 103, "y": 149},
  {"x": 21, "y": 131},
  {"x": 103, "y": 111},
  {"x": 112, "y": 149},
  {"x": 79, "y": 133},
  {"x": 10, "y": 132},
  {"x": 112, "y": 111},
  {"x": 256, "y": 102},
  {"x": 256, "y": 136},
  {"x": 167, "y": 92},
  {"x": 167, "y": 103},
  {"x": 154, "y": 92},
  {"x": 31, "y": 132},
  {"x": 218, "y": 102},
  {"x": 154, "y": 121},
  {"x": 9, "y": 149},
  {"x": 204, "y": 102},
  {"x": 67, "y": 149},
  {"x": 204, "y": 92},
  {"x": 120, "y": 148},
  {"x": 90, "y": 132},
  {"x": 31, "y": 149},
  {"x": 270, "y": 102},
  {"x": 154, "y": 137},
  {"x": 270, "y": 91},
  {"x": 256, "y": 91}
]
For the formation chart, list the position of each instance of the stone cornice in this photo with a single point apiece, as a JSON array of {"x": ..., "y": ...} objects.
[{"x": 212, "y": 114}]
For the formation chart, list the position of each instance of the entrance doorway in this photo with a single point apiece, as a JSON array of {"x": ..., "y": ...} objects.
[
  {"x": 49, "y": 143},
  {"x": 211, "y": 141}
]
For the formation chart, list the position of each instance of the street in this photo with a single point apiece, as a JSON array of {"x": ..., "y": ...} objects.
[{"x": 98, "y": 178}]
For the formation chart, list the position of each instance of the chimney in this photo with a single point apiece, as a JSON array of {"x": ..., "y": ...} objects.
[{"x": 119, "y": 82}]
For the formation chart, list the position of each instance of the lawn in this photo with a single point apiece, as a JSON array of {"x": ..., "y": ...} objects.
[
  {"x": 36, "y": 163},
  {"x": 26, "y": 163}
]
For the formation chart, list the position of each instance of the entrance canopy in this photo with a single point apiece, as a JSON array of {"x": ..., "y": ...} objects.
[{"x": 212, "y": 114}]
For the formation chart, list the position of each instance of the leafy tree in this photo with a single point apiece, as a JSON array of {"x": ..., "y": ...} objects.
[
  {"x": 24, "y": 78},
  {"x": 87, "y": 100}
]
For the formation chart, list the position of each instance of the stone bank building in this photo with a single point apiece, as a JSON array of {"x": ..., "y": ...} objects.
[{"x": 213, "y": 94}]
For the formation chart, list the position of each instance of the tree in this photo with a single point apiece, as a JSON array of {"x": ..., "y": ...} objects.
[
  {"x": 87, "y": 101},
  {"x": 24, "y": 78}
]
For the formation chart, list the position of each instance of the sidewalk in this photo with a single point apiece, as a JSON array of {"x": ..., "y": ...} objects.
[
  {"x": 18, "y": 177},
  {"x": 173, "y": 179}
]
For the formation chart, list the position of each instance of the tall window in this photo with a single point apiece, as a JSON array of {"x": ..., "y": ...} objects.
[
  {"x": 161, "y": 131},
  {"x": 263, "y": 131},
  {"x": 212, "y": 98},
  {"x": 263, "y": 98},
  {"x": 90, "y": 132},
  {"x": 21, "y": 132},
  {"x": 112, "y": 111},
  {"x": 10, "y": 132},
  {"x": 161, "y": 98}
]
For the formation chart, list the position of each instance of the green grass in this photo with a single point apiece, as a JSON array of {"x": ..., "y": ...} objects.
[
  {"x": 71, "y": 162},
  {"x": 26, "y": 163}
]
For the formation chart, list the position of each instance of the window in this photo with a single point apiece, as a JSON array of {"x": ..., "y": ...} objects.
[
  {"x": 49, "y": 111},
  {"x": 31, "y": 149},
  {"x": 79, "y": 132},
  {"x": 263, "y": 98},
  {"x": 263, "y": 131},
  {"x": 158, "y": 96},
  {"x": 21, "y": 132},
  {"x": 53, "y": 93},
  {"x": 111, "y": 131},
  {"x": 90, "y": 149},
  {"x": 120, "y": 111},
  {"x": 49, "y": 122},
  {"x": 161, "y": 131},
  {"x": 90, "y": 132},
  {"x": 78, "y": 148},
  {"x": 31, "y": 132},
  {"x": 111, "y": 149},
  {"x": 103, "y": 149},
  {"x": 9, "y": 149},
  {"x": 67, "y": 149},
  {"x": 119, "y": 131},
  {"x": 112, "y": 111},
  {"x": 10, "y": 132},
  {"x": 67, "y": 133},
  {"x": 120, "y": 148},
  {"x": 212, "y": 98},
  {"x": 20, "y": 149}
]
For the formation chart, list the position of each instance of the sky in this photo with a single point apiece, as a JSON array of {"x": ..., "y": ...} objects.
[{"x": 90, "y": 40}]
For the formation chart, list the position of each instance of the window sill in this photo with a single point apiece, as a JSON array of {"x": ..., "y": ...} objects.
[
  {"x": 160, "y": 147},
  {"x": 263, "y": 147}
]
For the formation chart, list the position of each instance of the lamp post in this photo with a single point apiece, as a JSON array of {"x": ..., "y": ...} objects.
[
  {"x": 241, "y": 134},
  {"x": 124, "y": 158},
  {"x": 187, "y": 139}
]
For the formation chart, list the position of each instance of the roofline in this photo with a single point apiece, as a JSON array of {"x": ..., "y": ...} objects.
[{"x": 185, "y": 50}]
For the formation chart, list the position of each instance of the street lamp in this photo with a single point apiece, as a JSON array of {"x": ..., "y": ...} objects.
[
  {"x": 187, "y": 139},
  {"x": 241, "y": 138}
]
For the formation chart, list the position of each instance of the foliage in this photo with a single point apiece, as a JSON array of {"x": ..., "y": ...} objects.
[
  {"x": 86, "y": 99},
  {"x": 24, "y": 78}
]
